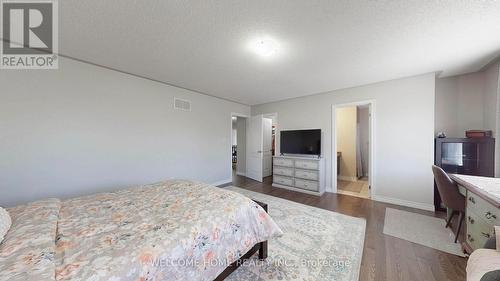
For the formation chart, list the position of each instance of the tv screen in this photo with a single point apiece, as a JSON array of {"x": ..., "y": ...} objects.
[{"x": 301, "y": 142}]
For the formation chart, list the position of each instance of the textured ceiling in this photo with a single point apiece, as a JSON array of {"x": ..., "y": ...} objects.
[{"x": 324, "y": 45}]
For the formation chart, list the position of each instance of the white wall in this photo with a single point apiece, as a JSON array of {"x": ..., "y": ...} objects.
[
  {"x": 467, "y": 102},
  {"x": 234, "y": 137},
  {"x": 492, "y": 108},
  {"x": 460, "y": 104},
  {"x": 241, "y": 150},
  {"x": 470, "y": 105},
  {"x": 446, "y": 107},
  {"x": 404, "y": 133},
  {"x": 491, "y": 93},
  {"x": 83, "y": 129},
  {"x": 346, "y": 141}
]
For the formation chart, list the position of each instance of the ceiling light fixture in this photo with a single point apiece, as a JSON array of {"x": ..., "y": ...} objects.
[{"x": 265, "y": 47}]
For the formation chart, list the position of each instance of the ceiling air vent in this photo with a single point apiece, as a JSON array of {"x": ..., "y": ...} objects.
[{"x": 181, "y": 104}]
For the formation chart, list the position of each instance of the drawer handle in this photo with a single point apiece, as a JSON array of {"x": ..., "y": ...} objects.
[
  {"x": 489, "y": 215},
  {"x": 471, "y": 220},
  {"x": 487, "y": 235},
  {"x": 471, "y": 199},
  {"x": 469, "y": 237}
]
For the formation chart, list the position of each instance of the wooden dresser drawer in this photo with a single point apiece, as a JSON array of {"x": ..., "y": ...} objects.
[
  {"x": 302, "y": 174},
  {"x": 483, "y": 209},
  {"x": 478, "y": 230},
  {"x": 283, "y": 180},
  {"x": 285, "y": 162},
  {"x": 308, "y": 185},
  {"x": 307, "y": 164},
  {"x": 283, "y": 171},
  {"x": 307, "y": 174}
]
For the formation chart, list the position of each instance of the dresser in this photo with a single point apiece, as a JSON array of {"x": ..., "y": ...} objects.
[
  {"x": 465, "y": 156},
  {"x": 482, "y": 211},
  {"x": 300, "y": 174}
]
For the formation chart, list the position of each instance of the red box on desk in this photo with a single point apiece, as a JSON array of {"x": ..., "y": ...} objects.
[{"x": 478, "y": 134}]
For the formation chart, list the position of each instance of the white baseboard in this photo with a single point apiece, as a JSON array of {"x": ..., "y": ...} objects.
[
  {"x": 345, "y": 178},
  {"x": 401, "y": 202},
  {"x": 241, "y": 174},
  {"x": 217, "y": 183}
]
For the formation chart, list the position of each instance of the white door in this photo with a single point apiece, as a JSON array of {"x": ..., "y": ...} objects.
[
  {"x": 254, "y": 148},
  {"x": 267, "y": 147}
]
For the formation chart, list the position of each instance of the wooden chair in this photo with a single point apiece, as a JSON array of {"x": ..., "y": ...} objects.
[{"x": 450, "y": 195}]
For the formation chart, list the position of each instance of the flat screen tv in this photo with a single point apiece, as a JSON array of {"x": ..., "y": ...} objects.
[{"x": 301, "y": 142}]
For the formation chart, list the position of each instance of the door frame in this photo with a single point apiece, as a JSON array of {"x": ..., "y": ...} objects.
[
  {"x": 234, "y": 114},
  {"x": 371, "y": 154}
]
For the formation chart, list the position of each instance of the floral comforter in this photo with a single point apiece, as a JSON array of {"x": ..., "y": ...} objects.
[
  {"x": 27, "y": 251},
  {"x": 174, "y": 230}
]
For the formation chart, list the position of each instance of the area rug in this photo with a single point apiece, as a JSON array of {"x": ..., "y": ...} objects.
[
  {"x": 317, "y": 244},
  {"x": 421, "y": 229}
]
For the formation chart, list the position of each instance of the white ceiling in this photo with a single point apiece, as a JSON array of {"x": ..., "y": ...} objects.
[{"x": 324, "y": 45}]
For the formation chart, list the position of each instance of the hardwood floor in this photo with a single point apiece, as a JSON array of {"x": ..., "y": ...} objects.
[{"x": 384, "y": 257}]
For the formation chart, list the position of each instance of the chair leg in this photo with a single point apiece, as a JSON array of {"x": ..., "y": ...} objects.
[
  {"x": 449, "y": 219},
  {"x": 460, "y": 220}
]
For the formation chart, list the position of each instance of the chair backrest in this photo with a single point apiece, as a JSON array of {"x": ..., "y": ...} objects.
[{"x": 448, "y": 190}]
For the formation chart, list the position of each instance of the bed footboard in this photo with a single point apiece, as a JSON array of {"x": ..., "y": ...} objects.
[{"x": 259, "y": 247}]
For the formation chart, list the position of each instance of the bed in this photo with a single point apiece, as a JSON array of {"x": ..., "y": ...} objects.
[{"x": 173, "y": 230}]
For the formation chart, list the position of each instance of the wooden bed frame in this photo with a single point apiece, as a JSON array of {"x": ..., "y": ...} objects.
[{"x": 260, "y": 247}]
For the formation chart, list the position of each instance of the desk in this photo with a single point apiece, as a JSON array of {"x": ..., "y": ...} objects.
[{"x": 482, "y": 210}]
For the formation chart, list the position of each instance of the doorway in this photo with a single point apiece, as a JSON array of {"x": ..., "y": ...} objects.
[
  {"x": 353, "y": 143},
  {"x": 238, "y": 144},
  {"x": 261, "y": 146}
]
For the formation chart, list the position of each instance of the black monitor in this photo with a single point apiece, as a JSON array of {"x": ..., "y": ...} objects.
[{"x": 301, "y": 142}]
